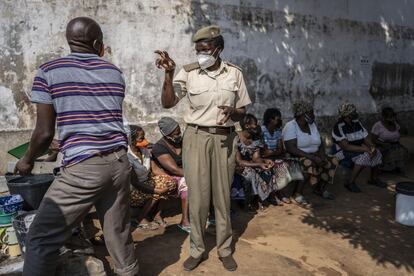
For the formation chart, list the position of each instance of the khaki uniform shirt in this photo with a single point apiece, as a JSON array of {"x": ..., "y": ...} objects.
[{"x": 206, "y": 90}]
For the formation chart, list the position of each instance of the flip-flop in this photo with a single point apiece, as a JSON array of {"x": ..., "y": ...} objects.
[
  {"x": 275, "y": 201},
  {"x": 328, "y": 195},
  {"x": 324, "y": 194},
  {"x": 286, "y": 200},
  {"x": 161, "y": 222},
  {"x": 301, "y": 201},
  {"x": 147, "y": 226},
  {"x": 186, "y": 229}
]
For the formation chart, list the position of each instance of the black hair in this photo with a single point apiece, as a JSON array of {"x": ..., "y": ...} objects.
[
  {"x": 387, "y": 111},
  {"x": 134, "y": 129},
  {"x": 270, "y": 114},
  {"x": 247, "y": 119}
]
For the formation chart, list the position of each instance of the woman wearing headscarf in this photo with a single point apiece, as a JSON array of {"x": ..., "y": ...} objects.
[
  {"x": 386, "y": 135},
  {"x": 302, "y": 140},
  {"x": 354, "y": 147},
  {"x": 167, "y": 165}
]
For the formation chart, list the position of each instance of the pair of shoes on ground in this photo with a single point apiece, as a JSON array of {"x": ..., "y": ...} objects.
[
  {"x": 301, "y": 201},
  {"x": 228, "y": 263},
  {"x": 325, "y": 194}
]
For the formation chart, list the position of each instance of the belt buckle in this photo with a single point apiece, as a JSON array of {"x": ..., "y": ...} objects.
[{"x": 212, "y": 130}]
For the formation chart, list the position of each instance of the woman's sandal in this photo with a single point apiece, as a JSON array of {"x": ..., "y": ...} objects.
[
  {"x": 186, "y": 229},
  {"x": 301, "y": 201},
  {"x": 286, "y": 200},
  {"x": 148, "y": 226},
  {"x": 161, "y": 222},
  {"x": 325, "y": 194}
]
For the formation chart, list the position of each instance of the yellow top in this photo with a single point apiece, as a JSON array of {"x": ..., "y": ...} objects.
[{"x": 206, "y": 90}]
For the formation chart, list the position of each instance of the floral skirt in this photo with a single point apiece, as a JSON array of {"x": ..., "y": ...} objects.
[
  {"x": 322, "y": 174},
  {"x": 138, "y": 197},
  {"x": 262, "y": 182}
]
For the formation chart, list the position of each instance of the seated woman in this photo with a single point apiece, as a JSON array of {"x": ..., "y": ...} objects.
[
  {"x": 167, "y": 163},
  {"x": 386, "y": 136},
  {"x": 252, "y": 167},
  {"x": 354, "y": 147},
  {"x": 302, "y": 140},
  {"x": 286, "y": 170},
  {"x": 145, "y": 191}
]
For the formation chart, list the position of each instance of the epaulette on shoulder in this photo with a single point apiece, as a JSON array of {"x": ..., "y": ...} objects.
[
  {"x": 233, "y": 65},
  {"x": 191, "y": 66}
]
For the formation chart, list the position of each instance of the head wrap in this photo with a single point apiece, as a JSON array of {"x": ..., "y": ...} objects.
[
  {"x": 346, "y": 109},
  {"x": 167, "y": 125},
  {"x": 301, "y": 107}
]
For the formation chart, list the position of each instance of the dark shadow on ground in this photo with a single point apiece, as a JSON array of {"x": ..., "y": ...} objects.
[
  {"x": 151, "y": 249},
  {"x": 367, "y": 222}
]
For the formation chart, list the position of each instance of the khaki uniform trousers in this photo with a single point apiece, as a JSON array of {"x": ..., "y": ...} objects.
[
  {"x": 209, "y": 164},
  {"x": 102, "y": 181}
]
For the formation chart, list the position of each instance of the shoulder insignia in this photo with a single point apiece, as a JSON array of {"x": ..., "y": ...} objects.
[
  {"x": 233, "y": 65},
  {"x": 191, "y": 66}
]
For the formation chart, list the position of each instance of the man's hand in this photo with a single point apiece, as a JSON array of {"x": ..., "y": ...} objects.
[
  {"x": 164, "y": 61},
  {"x": 23, "y": 167},
  {"x": 227, "y": 111}
]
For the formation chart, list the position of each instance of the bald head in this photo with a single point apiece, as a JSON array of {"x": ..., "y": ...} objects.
[{"x": 84, "y": 35}]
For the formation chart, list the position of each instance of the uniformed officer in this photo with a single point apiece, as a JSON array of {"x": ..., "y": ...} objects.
[{"x": 217, "y": 96}]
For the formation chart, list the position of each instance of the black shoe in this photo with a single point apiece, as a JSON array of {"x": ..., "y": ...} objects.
[
  {"x": 191, "y": 263},
  {"x": 378, "y": 183},
  {"x": 229, "y": 263},
  {"x": 352, "y": 187}
]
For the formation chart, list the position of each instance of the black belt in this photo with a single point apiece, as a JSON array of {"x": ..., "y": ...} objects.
[{"x": 214, "y": 129}]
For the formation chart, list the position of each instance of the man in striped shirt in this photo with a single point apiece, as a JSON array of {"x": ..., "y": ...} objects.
[{"x": 82, "y": 94}]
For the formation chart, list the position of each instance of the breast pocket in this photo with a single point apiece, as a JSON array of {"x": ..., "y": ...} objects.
[
  {"x": 228, "y": 93},
  {"x": 199, "y": 97}
]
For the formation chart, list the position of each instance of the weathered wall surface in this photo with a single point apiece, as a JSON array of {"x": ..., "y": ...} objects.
[{"x": 321, "y": 50}]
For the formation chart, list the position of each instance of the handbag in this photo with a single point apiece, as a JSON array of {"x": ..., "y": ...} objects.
[{"x": 287, "y": 171}]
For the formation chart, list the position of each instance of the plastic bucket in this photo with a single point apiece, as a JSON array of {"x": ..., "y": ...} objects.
[
  {"x": 21, "y": 224},
  {"x": 404, "y": 206},
  {"x": 32, "y": 188}
]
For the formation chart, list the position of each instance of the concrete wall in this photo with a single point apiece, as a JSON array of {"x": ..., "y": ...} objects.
[{"x": 322, "y": 50}]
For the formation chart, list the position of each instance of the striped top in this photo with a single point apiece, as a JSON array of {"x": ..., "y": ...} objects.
[
  {"x": 271, "y": 140},
  {"x": 354, "y": 133},
  {"x": 87, "y": 93}
]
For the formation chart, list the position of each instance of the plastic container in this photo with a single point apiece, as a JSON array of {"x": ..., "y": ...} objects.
[
  {"x": 6, "y": 219},
  {"x": 10, "y": 204},
  {"x": 21, "y": 224},
  {"x": 404, "y": 206},
  {"x": 32, "y": 188}
]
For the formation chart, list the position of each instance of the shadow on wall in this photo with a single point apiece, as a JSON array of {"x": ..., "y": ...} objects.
[
  {"x": 311, "y": 54},
  {"x": 367, "y": 222}
]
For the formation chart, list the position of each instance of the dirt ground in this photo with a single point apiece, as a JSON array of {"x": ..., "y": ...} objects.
[{"x": 355, "y": 234}]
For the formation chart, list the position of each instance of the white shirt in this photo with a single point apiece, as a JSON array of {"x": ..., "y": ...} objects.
[{"x": 305, "y": 142}]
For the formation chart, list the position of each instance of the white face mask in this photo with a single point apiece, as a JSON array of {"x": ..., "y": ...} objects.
[{"x": 206, "y": 60}]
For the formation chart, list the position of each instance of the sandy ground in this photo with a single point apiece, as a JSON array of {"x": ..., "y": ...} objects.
[{"x": 355, "y": 234}]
